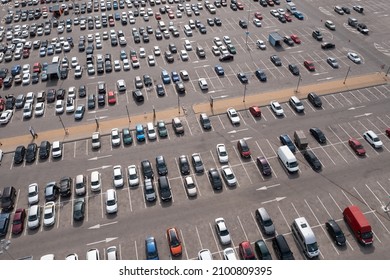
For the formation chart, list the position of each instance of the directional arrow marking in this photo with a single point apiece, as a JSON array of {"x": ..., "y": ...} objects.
[
  {"x": 108, "y": 239},
  {"x": 363, "y": 115},
  {"x": 102, "y": 225},
  {"x": 96, "y": 158},
  {"x": 235, "y": 131},
  {"x": 273, "y": 200},
  {"x": 354, "y": 108},
  {"x": 267, "y": 187},
  {"x": 101, "y": 167}
]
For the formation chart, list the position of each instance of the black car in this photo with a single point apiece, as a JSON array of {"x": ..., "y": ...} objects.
[
  {"x": 242, "y": 77},
  {"x": 44, "y": 150},
  {"x": 51, "y": 191},
  {"x": 64, "y": 73},
  {"x": 82, "y": 91},
  {"x": 91, "y": 101},
  {"x": 264, "y": 166},
  {"x": 79, "y": 209},
  {"x": 7, "y": 82},
  {"x": 172, "y": 48},
  {"x": 147, "y": 169},
  {"x": 51, "y": 95},
  {"x": 286, "y": 140},
  {"x": 184, "y": 165},
  {"x": 281, "y": 248},
  {"x": 161, "y": 166},
  {"x": 314, "y": 99},
  {"x": 31, "y": 152},
  {"x": 293, "y": 69},
  {"x": 243, "y": 24},
  {"x": 10, "y": 102},
  {"x": 318, "y": 135},
  {"x": 217, "y": 21},
  {"x": 327, "y": 46},
  {"x": 160, "y": 90},
  {"x": 19, "y": 154},
  {"x": 317, "y": 35},
  {"x": 215, "y": 179},
  {"x": 276, "y": 60},
  {"x": 169, "y": 57},
  {"x": 282, "y": 19},
  {"x": 101, "y": 99},
  {"x": 226, "y": 57},
  {"x": 66, "y": 186},
  {"x": 147, "y": 80},
  {"x": 260, "y": 74},
  {"x": 288, "y": 41},
  {"x": 60, "y": 94},
  {"x": 312, "y": 160},
  {"x": 335, "y": 232},
  {"x": 4, "y": 223},
  {"x": 346, "y": 10},
  {"x": 197, "y": 163}
]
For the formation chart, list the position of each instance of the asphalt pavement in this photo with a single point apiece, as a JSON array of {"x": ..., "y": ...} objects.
[{"x": 219, "y": 107}]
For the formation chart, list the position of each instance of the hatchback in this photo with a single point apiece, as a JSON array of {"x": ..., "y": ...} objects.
[
  {"x": 151, "y": 250},
  {"x": 318, "y": 135},
  {"x": 264, "y": 166},
  {"x": 174, "y": 242},
  {"x": 243, "y": 148},
  {"x": 314, "y": 99},
  {"x": 246, "y": 251},
  {"x": 255, "y": 111},
  {"x": 357, "y": 147},
  {"x": 335, "y": 232}
]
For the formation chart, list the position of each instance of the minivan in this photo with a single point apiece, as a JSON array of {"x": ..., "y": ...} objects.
[
  {"x": 305, "y": 237},
  {"x": 281, "y": 248},
  {"x": 177, "y": 126},
  {"x": 262, "y": 251},
  {"x": 8, "y": 198},
  {"x": 80, "y": 184},
  {"x": 265, "y": 221},
  {"x": 96, "y": 181},
  {"x": 296, "y": 104}
]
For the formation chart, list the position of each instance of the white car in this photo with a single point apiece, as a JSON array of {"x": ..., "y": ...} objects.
[
  {"x": 276, "y": 108},
  {"x": 117, "y": 65},
  {"x": 274, "y": 12},
  {"x": 121, "y": 85},
  {"x": 373, "y": 139},
  {"x": 72, "y": 92},
  {"x": 90, "y": 69},
  {"x": 260, "y": 44},
  {"x": 49, "y": 214},
  {"x": 233, "y": 116},
  {"x": 117, "y": 176},
  {"x": 26, "y": 79},
  {"x": 151, "y": 60},
  {"x": 6, "y": 116},
  {"x": 30, "y": 96},
  {"x": 222, "y": 231},
  {"x": 184, "y": 55},
  {"x": 33, "y": 194},
  {"x": 215, "y": 50},
  {"x": 26, "y": 68},
  {"x": 156, "y": 50},
  {"x": 223, "y": 50},
  {"x": 111, "y": 201},
  {"x": 354, "y": 57},
  {"x": 132, "y": 173},
  {"x": 205, "y": 255},
  {"x": 115, "y": 137},
  {"x": 222, "y": 153},
  {"x": 39, "y": 109},
  {"x": 142, "y": 53},
  {"x": 228, "y": 175},
  {"x": 227, "y": 40},
  {"x": 229, "y": 254},
  {"x": 217, "y": 41},
  {"x": 257, "y": 22},
  {"x": 59, "y": 106},
  {"x": 126, "y": 64},
  {"x": 27, "y": 110},
  {"x": 78, "y": 72},
  {"x": 190, "y": 186},
  {"x": 70, "y": 105},
  {"x": 203, "y": 84}
]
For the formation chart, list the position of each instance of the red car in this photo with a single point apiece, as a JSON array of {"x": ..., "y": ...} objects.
[
  {"x": 2, "y": 104},
  {"x": 37, "y": 67},
  {"x": 111, "y": 97},
  {"x": 174, "y": 242},
  {"x": 111, "y": 22},
  {"x": 270, "y": 3},
  {"x": 246, "y": 251},
  {"x": 287, "y": 17},
  {"x": 157, "y": 16},
  {"x": 26, "y": 53},
  {"x": 18, "y": 222},
  {"x": 255, "y": 111},
  {"x": 309, "y": 65},
  {"x": 171, "y": 15},
  {"x": 295, "y": 38},
  {"x": 258, "y": 15},
  {"x": 388, "y": 132},
  {"x": 357, "y": 147},
  {"x": 240, "y": 6}
]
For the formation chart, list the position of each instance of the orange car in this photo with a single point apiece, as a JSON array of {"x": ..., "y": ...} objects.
[{"x": 174, "y": 242}]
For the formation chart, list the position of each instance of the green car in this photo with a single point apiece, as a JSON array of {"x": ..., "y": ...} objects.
[
  {"x": 126, "y": 134},
  {"x": 231, "y": 48},
  {"x": 162, "y": 129}
]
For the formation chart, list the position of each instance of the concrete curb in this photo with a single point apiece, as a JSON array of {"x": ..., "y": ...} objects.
[{"x": 219, "y": 107}]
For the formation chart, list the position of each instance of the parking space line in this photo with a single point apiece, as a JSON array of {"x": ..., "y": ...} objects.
[
  {"x": 380, "y": 92},
  {"x": 350, "y": 103},
  {"x": 196, "y": 184},
  {"x": 74, "y": 149},
  {"x": 223, "y": 127},
  {"x": 345, "y": 144},
  {"x": 341, "y": 141},
  {"x": 242, "y": 227},
  {"x": 350, "y": 202},
  {"x": 334, "y": 97},
  {"x": 101, "y": 202},
  {"x": 351, "y": 93},
  {"x": 372, "y": 93},
  {"x": 215, "y": 240},
  {"x": 284, "y": 218},
  {"x": 323, "y": 165},
  {"x": 363, "y": 95},
  {"x": 184, "y": 243},
  {"x": 271, "y": 146},
  {"x": 136, "y": 251},
  {"x": 257, "y": 227},
  {"x": 382, "y": 121},
  {"x": 295, "y": 209}
]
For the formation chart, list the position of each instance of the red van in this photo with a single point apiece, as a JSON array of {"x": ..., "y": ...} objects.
[{"x": 359, "y": 225}]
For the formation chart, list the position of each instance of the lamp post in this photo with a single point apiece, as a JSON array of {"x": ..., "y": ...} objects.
[
  {"x": 299, "y": 80},
  {"x": 349, "y": 68},
  {"x": 178, "y": 103},
  {"x": 128, "y": 115},
  {"x": 63, "y": 126}
]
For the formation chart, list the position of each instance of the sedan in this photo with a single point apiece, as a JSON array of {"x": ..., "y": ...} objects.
[
  {"x": 79, "y": 209},
  {"x": 222, "y": 153},
  {"x": 276, "y": 108},
  {"x": 117, "y": 177},
  {"x": 184, "y": 165},
  {"x": 327, "y": 46},
  {"x": 312, "y": 160},
  {"x": 20, "y": 152},
  {"x": 49, "y": 214},
  {"x": 335, "y": 232},
  {"x": 309, "y": 65},
  {"x": 190, "y": 186},
  {"x": 354, "y": 57},
  {"x": 115, "y": 137},
  {"x": 228, "y": 176},
  {"x": 151, "y": 60},
  {"x": 174, "y": 242},
  {"x": 295, "y": 38},
  {"x": 233, "y": 116},
  {"x": 215, "y": 179},
  {"x": 26, "y": 79},
  {"x": 242, "y": 77},
  {"x": 219, "y": 70},
  {"x": 293, "y": 69},
  {"x": 111, "y": 98},
  {"x": 18, "y": 221},
  {"x": 6, "y": 116},
  {"x": 133, "y": 177},
  {"x": 255, "y": 111},
  {"x": 33, "y": 194},
  {"x": 357, "y": 147},
  {"x": 257, "y": 22},
  {"x": 260, "y": 74},
  {"x": 222, "y": 231},
  {"x": 318, "y": 135},
  {"x": 79, "y": 113},
  {"x": 197, "y": 163},
  {"x": 286, "y": 140},
  {"x": 31, "y": 152},
  {"x": 276, "y": 60},
  {"x": 332, "y": 62}
]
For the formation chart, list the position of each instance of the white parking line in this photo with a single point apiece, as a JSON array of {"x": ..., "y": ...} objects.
[
  {"x": 74, "y": 149},
  {"x": 136, "y": 251},
  {"x": 345, "y": 144},
  {"x": 129, "y": 195},
  {"x": 197, "y": 234},
  {"x": 350, "y": 202},
  {"x": 334, "y": 97},
  {"x": 363, "y": 95},
  {"x": 351, "y": 93},
  {"x": 295, "y": 209},
  {"x": 367, "y": 89},
  {"x": 242, "y": 227},
  {"x": 376, "y": 197},
  {"x": 189, "y": 128},
  {"x": 184, "y": 243},
  {"x": 350, "y": 103},
  {"x": 328, "y": 102},
  {"x": 341, "y": 141},
  {"x": 215, "y": 240},
  {"x": 284, "y": 218},
  {"x": 323, "y": 165}
]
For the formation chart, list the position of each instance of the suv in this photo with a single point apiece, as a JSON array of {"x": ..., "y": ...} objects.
[
  {"x": 66, "y": 186},
  {"x": 200, "y": 52},
  {"x": 138, "y": 96},
  {"x": 243, "y": 148},
  {"x": 8, "y": 198},
  {"x": 281, "y": 248},
  {"x": 317, "y": 35},
  {"x": 164, "y": 188},
  {"x": 44, "y": 150},
  {"x": 205, "y": 121},
  {"x": 314, "y": 99},
  {"x": 177, "y": 126},
  {"x": 296, "y": 104}
]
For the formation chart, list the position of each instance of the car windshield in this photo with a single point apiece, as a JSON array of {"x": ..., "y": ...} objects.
[
  {"x": 375, "y": 139},
  {"x": 32, "y": 194},
  {"x": 312, "y": 247},
  {"x": 48, "y": 215},
  {"x": 110, "y": 202},
  {"x": 32, "y": 218},
  {"x": 224, "y": 232},
  {"x": 174, "y": 241},
  {"x": 367, "y": 235}
]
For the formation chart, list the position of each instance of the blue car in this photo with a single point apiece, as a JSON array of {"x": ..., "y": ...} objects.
[
  {"x": 165, "y": 77},
  {"x": 286, "y": 140},
  {"x": 219, "y": 70},
  {"x": 298, "y": 15},
  {"x": 15, "y": 70},
  {"x": 117, "y": 16},
  {"x": 175, "y": 77},
  {"x": 151, "y": 248},
  {"x": 139, "y": 132}
]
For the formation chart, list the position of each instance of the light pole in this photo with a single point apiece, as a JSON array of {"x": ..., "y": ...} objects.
[
  {"x": 299, "y": 80},
  {"x": 128, "y": 115},
  {"x": 63, "y": 126},
  {"x": 247, "y": 31},
  {"x": 178, "y": 103},
  {"x": 243, "y": 100},
  {"x": 349, "y": 68}
]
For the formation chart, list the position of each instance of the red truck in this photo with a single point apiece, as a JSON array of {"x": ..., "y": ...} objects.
[{"x": 359, "y": 225}]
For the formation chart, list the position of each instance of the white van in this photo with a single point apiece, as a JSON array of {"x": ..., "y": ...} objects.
[
  {"x": 55, "y": 59},
  {"x": 288, "y": 159},
  {"x": 305, "y": 237},
  {"x": 162, "y": 26},
  {"x": 291, "y": 7},
  {"x": 96, "y": 181},
  {"x": 151, "y": 131}
]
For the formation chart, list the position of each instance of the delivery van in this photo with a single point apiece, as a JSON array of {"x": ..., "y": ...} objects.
[
  {"x": 291, "y": 7},
  {"x": 288, "y": 159},
  {"x": 359, "y": 225},
  {"x": 305, "y": 237}
]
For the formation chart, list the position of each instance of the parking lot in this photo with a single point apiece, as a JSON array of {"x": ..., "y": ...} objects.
[{"x": 344, "y": 179}]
